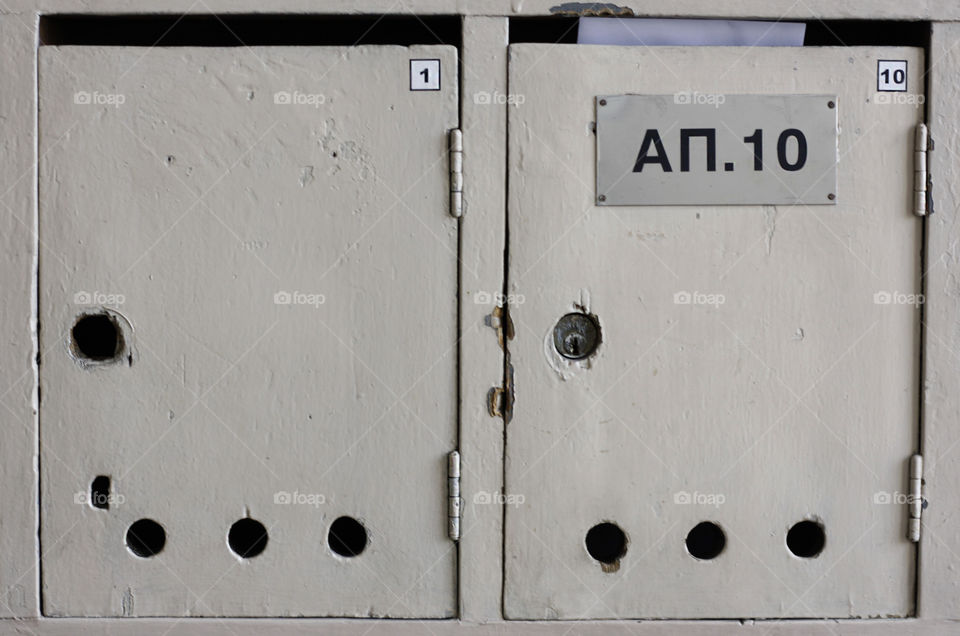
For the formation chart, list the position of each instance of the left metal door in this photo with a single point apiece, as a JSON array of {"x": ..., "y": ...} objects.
[{"x": 247, "y": 325}]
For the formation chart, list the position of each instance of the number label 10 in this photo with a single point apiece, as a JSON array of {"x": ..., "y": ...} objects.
[{"x": 891, "y": 76}]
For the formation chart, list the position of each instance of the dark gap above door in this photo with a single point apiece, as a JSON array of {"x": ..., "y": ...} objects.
[
  {"x": 563, "y": 30},
  {"x": 248, "y": 30}
]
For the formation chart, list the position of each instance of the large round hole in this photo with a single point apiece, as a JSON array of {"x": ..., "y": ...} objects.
[
  {"x": 347, "y": 537},
  {"x": 576, "y": 336},
  {"x": 247, "y": 538},
  {"x": 606, "y": 543},
  {"x": 96, "y": 337},
  {"x": 806, "y": 539},
  {"x": 146, "y": 538},
  {"x": 706, "y": 541}
]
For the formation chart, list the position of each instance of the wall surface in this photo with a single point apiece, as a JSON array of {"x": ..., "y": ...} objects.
[
  {"x": 941, "y": 10},
  {"x": 483, "y": 235}
]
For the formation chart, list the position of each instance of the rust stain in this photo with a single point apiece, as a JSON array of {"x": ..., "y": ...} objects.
[
  {"x": 610, "y": 567},
  {"x": 500, "y": 320}
]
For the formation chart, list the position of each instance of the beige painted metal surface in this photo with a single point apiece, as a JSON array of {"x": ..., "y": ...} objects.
[
  {"x": 375, "y": 627},
  {"x": 483, "y": 236},
  {"x": 940, "y": 547},
  {"x": 758, "y": 366},
  {"x": 18, "y": 440},
  {"x": 270, "y": 227},
  {"x": 480, "y": 583},
  {"x": 943, "y": 10}
]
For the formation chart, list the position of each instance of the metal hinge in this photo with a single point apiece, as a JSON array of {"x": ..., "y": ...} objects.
[
  {"x": 454, "y": 502},
  {"x": 456, "y": 172},
  {"x": 915, "y": 500},
  {"x": 922, "y": 181}
]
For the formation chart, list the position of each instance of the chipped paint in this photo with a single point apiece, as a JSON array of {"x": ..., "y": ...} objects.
[
  {"x": 306, "y": 176},
  {"x": 499, "y": 320},
  {"x": 126, "y": 603},
  {"x": 592, "y": 9}
]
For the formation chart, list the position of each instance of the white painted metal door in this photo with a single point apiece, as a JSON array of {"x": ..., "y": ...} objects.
[
  {"x": 247, "y": 325},
  {"x": 737, "y": 444}
]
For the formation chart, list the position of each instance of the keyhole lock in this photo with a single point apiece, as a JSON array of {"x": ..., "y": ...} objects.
[{"x": 576, "y": 336}]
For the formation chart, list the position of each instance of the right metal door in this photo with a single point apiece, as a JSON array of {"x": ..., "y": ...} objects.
[{"x": 730, "y": 447}]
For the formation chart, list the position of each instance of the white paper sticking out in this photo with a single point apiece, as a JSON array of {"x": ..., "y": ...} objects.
[{"x": 670, "y": 32}]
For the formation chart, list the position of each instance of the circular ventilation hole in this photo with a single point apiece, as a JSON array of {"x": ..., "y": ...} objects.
[
  {"x": 706, "y": 541},
  {"x": 806, "y": 539},
  {"x": 247, "y": 538},
  {"x": 347, "y": 537},
  {"x": 146, "y": 538},
  {"x": 606, "y": 543},
  {"x": 576, "y": 336},
  {"x": 96, "y": 337}
]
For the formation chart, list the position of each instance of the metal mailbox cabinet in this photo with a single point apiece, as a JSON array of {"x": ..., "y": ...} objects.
[
  {"x": 715, "y": 404},
  {"x": 247, "y": 331}
]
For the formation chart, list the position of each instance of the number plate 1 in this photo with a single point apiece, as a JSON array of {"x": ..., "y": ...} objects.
[{"x": 714, "y": 149}]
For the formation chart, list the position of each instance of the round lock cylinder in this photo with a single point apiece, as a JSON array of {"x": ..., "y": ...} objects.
[{"x": 576, "y": 336}]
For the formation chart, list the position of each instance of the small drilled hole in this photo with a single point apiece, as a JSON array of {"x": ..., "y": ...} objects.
[
  {"x": 806, "y": 539},
  {"x": 97, "y": 337},
  {"x": 347, "y": 537},
  {"x": 146, "y": 538},
  {"x": 100, "y": 492},
  {"x": 247, "y": 538},
  {"x": 706, "y": 541},
  {"x": 606, "y": 543}
]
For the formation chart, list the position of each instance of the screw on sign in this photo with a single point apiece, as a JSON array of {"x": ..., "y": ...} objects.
[{"x": 576, "y": 336}]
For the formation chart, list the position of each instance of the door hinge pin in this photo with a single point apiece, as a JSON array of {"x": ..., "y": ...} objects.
[
  {"x": 456, "y": 172},
  {"x": 921, "y": 178},
  {"x": 454, "y": 501},
  {"x": 915, "y": 498}
]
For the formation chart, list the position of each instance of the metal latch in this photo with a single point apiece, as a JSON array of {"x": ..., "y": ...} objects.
[
  {"x": 915, "y": 497},
  {"x": 922, "y": 181},
  {"x": 454, "y": 501},
  {"x": 500, "y": 398},
  {"x": 456, "y": 172}
]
